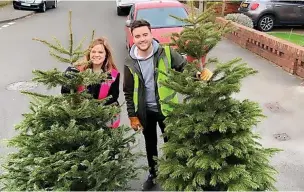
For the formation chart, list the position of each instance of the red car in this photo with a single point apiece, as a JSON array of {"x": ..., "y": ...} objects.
[{"x": 157, "y": 13}]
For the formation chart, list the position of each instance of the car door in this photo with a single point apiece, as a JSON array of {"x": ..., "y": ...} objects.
[
  {"x": 50, "y": 3},
  {"x": 127, "y": 29},
  {"x": 288, "y": 12},
  {"x": 300, "y": 5}
]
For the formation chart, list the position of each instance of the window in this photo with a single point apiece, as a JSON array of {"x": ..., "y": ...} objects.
[
  {"x": 288, "y": 2},
  {"x": 132, "y": 13},
  {"x": 161, "y": 17}
]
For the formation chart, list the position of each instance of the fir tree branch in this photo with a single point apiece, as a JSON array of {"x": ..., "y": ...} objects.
[
  {"x": 78, "y": 49},
  {"x": 70, "y": 35},
  {"x": 34, "y": 94},
  {"x": 185, "y": 20},
  {"x": 60, "y": 45},
  {"x": 93, "y": 35},
  {"x": 59, "y": 58},
  {"x": 59, "y": 49}
]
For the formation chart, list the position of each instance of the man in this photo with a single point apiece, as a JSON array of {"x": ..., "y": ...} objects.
[{"x": 142, "y": 91}]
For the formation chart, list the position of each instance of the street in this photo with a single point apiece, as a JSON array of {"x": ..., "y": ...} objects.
[{"x": 20, "y": 55}]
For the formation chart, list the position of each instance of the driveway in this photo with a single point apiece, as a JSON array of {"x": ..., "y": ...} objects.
[{"x": 275, "y": 88}]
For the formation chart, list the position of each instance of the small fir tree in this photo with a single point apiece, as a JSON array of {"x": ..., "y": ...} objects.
[
  {"x": 63, "y": 143},
  {"x": 200, "y": 34}
]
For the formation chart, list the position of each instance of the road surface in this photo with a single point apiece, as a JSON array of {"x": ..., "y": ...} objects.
[{"x": 20, "y": 54}]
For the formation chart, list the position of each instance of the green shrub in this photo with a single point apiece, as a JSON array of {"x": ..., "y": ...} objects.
[
  {"x": 240, "y": 19},
  {"x": 5, "y": 3}
]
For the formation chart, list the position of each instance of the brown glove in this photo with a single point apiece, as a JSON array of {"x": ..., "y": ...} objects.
[
  {"x": 206, "y": 74},
  {"x": 135, "y": 123}
]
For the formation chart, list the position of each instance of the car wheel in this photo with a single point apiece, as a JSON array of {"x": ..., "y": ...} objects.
[
  {"x": 55, "y": 4},
  {"x": 119, "y": 11},
  {"x": 266, "y": 23},
  {"x": 43, "y": 8}
]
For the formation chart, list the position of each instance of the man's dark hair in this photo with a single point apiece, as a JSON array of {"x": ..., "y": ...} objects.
[{"x": 140, "y": 23}]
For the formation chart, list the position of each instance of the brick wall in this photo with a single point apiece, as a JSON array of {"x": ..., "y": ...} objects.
[
  {"x": 229, "y": 8},
  {"x": 287, "y": 55}
]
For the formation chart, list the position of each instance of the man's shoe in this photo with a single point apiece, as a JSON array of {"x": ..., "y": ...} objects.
[{"x": 149, "y": 183}]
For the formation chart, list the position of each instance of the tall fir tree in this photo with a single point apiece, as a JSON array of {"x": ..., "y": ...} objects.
[
  {"x": 64, "y": 143},
  {"x": 212, "y": 146}
]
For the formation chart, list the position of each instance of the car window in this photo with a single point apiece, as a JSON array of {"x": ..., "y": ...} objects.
[
  {"x": 160, "y": 17},
  {"x": 132, "y": 13},
  {"x": 288, "y": 2},
  {"x": 296, "y": 2}
]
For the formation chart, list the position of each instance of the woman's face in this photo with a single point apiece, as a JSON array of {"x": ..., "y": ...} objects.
[{"x": 98, "y": 54}]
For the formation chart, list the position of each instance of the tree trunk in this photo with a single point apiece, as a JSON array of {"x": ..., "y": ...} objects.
[
  {"x": 223, "y": 8},
  {"x": 201, "y": 6}
]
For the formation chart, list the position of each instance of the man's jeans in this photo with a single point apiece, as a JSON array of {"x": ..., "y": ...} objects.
[{"x": 150, "y": 134}]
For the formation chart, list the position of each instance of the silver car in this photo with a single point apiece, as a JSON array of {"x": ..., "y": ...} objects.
[
  {"x": 266, "y": 14},
  {"x": 125, "y": 5}
]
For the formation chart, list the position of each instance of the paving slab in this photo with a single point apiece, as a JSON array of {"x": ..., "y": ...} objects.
[{"x": 8, "y": 14}]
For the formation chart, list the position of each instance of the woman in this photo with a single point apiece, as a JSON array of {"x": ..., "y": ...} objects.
[{"x": 100, "y": 60}]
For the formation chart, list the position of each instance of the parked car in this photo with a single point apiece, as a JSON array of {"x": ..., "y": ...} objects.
[
  {"x": 124, "y": 5},
  {"x": 38, "y": 5},
  {"x": 157, "y": 13},
  {"x": 266, "y": 14}
]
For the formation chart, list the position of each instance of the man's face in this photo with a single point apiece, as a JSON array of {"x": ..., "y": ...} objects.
[{"x": 142, "y": 38}]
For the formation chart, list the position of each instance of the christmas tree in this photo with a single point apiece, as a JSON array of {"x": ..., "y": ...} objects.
[
  {"x": 211, "y": 144},
  {"x": 200, "y": 34},
  {"x": 64, "y": 143}
]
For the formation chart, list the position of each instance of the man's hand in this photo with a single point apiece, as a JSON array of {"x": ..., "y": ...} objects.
[
  {"x": 205, "y": 74},
  {"x": 135, "y": 123}
]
